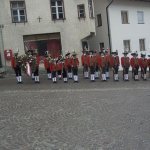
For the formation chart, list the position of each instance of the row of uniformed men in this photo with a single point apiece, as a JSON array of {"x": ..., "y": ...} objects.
[
  {"x": 68, "y": 67},
  {"x": 104, "y": 61}
]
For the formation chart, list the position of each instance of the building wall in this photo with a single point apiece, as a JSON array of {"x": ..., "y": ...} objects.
[
  {"x": 102, "y": 31},
  {"x": 72, "y": 30},
  {"x": 132, "y": 31},
  {"x": 118, "y": 31}
]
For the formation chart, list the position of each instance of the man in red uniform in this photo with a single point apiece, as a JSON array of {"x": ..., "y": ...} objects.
[
  {"x": 115, "y": 63},
  {"x": 149, "y": 64},
  {"x": 107, "y": 55},
  {"x": 47, "y": 61},
  {"x": 103, "y": 65},
  {"x": 35, "y": 66},
  {"x": 125, "y": 62},
  {"x": 68, "y": 63},
  {"x": 143, "y": 62},
  {"x": 92, "y": 66},
  {"x": 96, "y": 56},
  {"x": 135, "y": 65},
  {"x": 85, "y": 63},
  {"x": 53, "y": 68},
  {"x": 16, "y": 65},
  {"x": 59, "y": 68},
  {"x": 75, "y": 64},
  {"x": 64, "y": 71}
]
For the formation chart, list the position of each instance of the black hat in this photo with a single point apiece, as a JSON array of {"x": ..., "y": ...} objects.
[
  {"x": 91, "y": 51},
  {"x": 114, "y": 53},
  {"x": 125, "y": 53},
  {"x": 67, "y": 54},
  {"x": 74, "y": 53}
]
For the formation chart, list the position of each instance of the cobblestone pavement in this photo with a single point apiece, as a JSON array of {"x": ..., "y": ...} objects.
[{"x": 74, "y": 116}]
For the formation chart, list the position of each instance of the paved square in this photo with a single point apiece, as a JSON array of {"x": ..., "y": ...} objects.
[{"x": 74, "y": 116}]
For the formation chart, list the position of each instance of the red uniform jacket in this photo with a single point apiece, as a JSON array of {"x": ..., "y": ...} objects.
[
  {"x": 148, "y": 62},
  {"x": 68, "y": 62},
  {"x": 53, "y": 67},
  {"x": 92, "y": 61},
  {"x": 108, "y": 58},
  {"x": 59, "y": 66},
  {"x": 46, "y": 63},
  {"x": 143, "y": 62},
  {"x": 114, "y": 61},
  {"x": 82, "y": 59},
  {"x": 125, "y": 62},
  {"x": 75, "y": 62},
  {"x": 85, "y": 59},
  {"x": 37, "y": 60},
  {"x": 134, "y": 62},
  {"x": 98, "y": 60},
  {"x": 13, "y": 62},
  {"x": 102, "y": 62}
]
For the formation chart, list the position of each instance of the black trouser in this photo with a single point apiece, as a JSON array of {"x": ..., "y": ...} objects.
[
  {"x": 17, "y": 70},
  {"x": 48, "y": 70},
  {"x": 36, "y": 72},
  {"x": 53, "y": 74},
  {"x": 69, "y": 69},
  {"x": 126, "y": 70},
  {"x": 64, "y": 73},
  {"x": 85, "y": 68},
  {"x": 96, "y": 68},
  {"x": 136, "y": 70},
  {"x": 107, "y": 67},
  {"x": 92, "y": 69},
  {"x": 116, "y": 68},
  {"x": 144, "y": 70},
  {"x": 75, "y": 70},
  {"x": 103, "y": 69},
  {"x": 59, "y": 72}
]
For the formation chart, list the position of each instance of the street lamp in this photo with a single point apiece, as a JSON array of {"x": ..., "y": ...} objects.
[{"x": 2, "y": 45}]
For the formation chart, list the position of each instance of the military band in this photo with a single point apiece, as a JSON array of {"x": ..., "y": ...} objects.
[{"x": 95, "y": 64}]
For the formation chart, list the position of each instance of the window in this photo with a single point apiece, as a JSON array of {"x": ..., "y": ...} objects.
[
  {"x": 126, "y": 44},
  {"x": 18, "y": 11},
  {"x": 142, "y": 44},
  {"x": 81, "y": 11},
  {"x": 124, "y": 16},
  {"x": 57, "y": 10},
  {"x": 101, "y": 45},
  {"x": 91, "y": 11},
  {"x": 140, "y": 15},
  {"x": 99, "y": 20}
]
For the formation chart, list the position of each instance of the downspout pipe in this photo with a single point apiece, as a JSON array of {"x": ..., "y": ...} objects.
[{"x": 108, "y": 25}]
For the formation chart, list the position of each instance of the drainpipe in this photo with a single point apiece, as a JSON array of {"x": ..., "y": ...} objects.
[{"x": 108, "y": 25}]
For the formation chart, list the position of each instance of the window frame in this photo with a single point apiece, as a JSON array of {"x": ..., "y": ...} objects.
[
  {"x": 141, "y": 12},
  {"x": 99, "y": 21},
  {"x": 91, "y": 11},
  {"x": 125, "y": 48},
  {"x": 122, "y": 18},
  {"x": 57, "y": 12},
  {"x": 18, "y": 11},
  {"x": 142, "y": 47},
  {"x": 101, "y": 46},
  {"x": 79, "y": 11}
]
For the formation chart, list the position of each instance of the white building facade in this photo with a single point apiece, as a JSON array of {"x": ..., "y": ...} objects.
[
  {"x": 124, "y": 28},
  {"x": 58, "y": 26}
]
